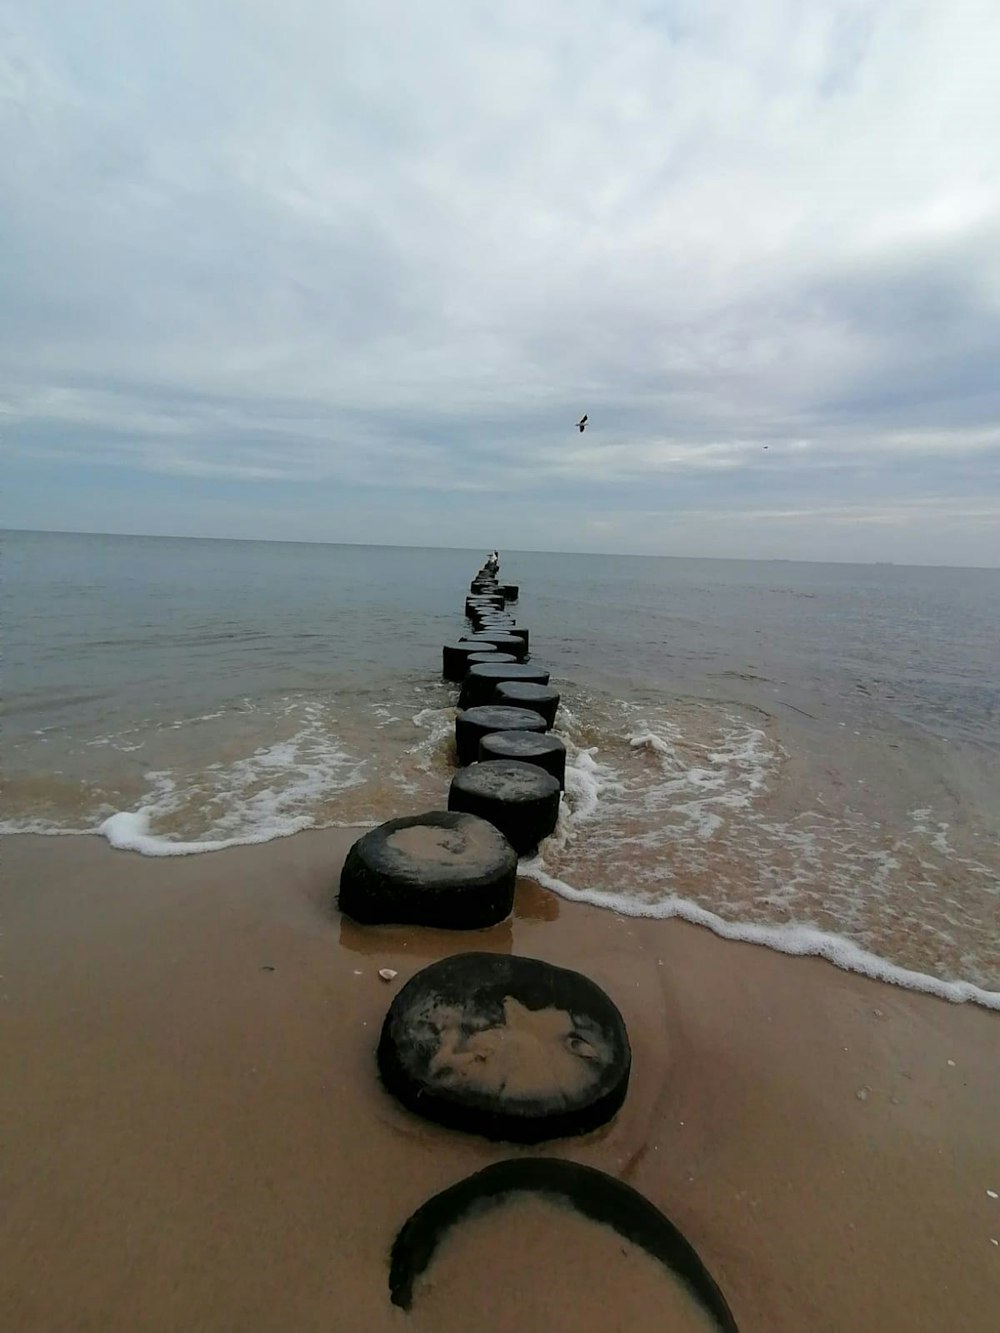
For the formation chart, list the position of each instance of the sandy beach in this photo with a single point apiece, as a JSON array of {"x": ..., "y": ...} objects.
[{"x": 195, "y": 1135}]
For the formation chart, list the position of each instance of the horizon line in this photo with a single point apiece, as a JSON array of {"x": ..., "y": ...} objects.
[{"x": 518, "y": 550}]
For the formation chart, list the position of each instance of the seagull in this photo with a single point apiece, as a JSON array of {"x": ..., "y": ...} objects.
[{"x": 582, "y": 423}]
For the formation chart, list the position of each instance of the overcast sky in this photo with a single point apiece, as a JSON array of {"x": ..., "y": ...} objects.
[{"x": 351, "y": 271}]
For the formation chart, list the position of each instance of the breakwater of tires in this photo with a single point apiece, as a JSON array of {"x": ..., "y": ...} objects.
[{"x": 509, "y": 1048}]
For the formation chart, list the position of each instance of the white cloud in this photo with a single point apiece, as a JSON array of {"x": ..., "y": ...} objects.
[{"x": 400, "y": 243}]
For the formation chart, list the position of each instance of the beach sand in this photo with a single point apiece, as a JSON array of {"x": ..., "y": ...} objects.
[{"x": 194, "y": 1134}]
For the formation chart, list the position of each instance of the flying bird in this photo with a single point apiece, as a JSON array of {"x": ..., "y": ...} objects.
[{"x": 582, "y": 423}]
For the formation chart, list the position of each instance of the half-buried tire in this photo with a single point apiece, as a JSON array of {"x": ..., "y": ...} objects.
[
  {"x": 521, "y": 800},
  {"x": 480, "y": 681},
  {"x": 475, "y": 723},
  {"x": 508, "y": 1047},
  {"x": 455, "y": 658},
  {"x": 522, "y": 694},
  {"x": 444, "y": 868},
  {"x": 591, "y": 1192},
  {"x": 547, "y": 752}
]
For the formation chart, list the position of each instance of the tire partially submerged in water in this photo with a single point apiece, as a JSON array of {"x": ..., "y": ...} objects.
[
  {"x": 476, "y": 658},
  {"x": 523, "y": 694},
  {"x": 521, "y": 800},
  {"x": 548, "y": 752},
  {"x": 483, "y": 603},
  {"x": 444, "y": 868},
  {"x": 455, "y": 658},
  {"x": 481, "y": 681},
  {"x": 591, "y": 1192},
  {"x": 503, "y": 641},
  {"x": 475, "y": 723},
  {"x": 508, "y": 1047}
]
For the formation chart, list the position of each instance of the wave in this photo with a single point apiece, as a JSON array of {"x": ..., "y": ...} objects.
[
  {"x": 671, "y": 810},
  {"x": 800, "y": 941}
]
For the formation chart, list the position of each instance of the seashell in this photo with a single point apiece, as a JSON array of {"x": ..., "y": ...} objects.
[{"x": 387, "y": 973}]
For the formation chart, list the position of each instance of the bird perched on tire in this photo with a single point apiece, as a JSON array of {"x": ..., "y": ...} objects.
[{"x": 581, "y": 425}]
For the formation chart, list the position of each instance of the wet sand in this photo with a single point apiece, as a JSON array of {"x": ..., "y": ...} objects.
[{"x": 195, "y": 1136}]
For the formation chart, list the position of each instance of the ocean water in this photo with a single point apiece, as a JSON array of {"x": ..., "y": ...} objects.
[{"x": 807, "y": 755}]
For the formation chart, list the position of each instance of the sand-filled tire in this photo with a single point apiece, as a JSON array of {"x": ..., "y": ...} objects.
[
  {"x": 481, "y": 681},
  {"x": 455, "y": 658},
  {"x": 508, "y": 1047},
  {"x": 521, "y": 800},
  {"x": 596, "y": 1195},
  {"x": 493, "y": 603},
  {"x": 475, "y": 723},
  {"x": 523, "y": 694},
  {"x": 528, "y": 746},
  {"x": 474, "y": 659},
  {"x": 444, "y": 868}
]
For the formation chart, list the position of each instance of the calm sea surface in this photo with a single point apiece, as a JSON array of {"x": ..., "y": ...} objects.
[{"x": 791, "y": 748}]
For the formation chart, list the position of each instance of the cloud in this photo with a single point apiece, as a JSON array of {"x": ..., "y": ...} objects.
[{"x": 336, "y": 245}]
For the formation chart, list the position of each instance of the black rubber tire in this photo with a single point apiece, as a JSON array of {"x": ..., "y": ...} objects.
[
  {"x": 522, "y": 694},
  {"x": 547, "y": 752},
  {"x": 454, "y": 871},
  {"x": 475, "y": 723},
  {"x": 587, "y": 1074},
  {"x": 521, "y": 633},
  {"x": 455, "y": 658},
  {"x": 484, "y": 585},
  {"x": 492, "y": 625},
  {"x": 481, "y": 681},
  {"x": 504, "y": 642},
  {"x": 510, "y": 591},
  {"x": 521, "y": 800},
  {"x": 593, "y": 1193},
  {"x": 475, "y": 659}
]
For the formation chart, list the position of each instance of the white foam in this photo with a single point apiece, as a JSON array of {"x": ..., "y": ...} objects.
[
  {"x": 800, "y": 941},
  {"x": 131, "y": 831},
  {"x": 439, "y": 725},
  {"x": 272, "y": 793}
]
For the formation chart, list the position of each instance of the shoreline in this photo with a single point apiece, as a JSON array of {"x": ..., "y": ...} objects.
[
  {"x": 197, "y": 1141},
  {"x": 792, "y": 940}
]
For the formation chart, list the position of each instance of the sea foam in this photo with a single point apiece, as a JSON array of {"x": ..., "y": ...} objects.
[{"x": 800, "y": 941}]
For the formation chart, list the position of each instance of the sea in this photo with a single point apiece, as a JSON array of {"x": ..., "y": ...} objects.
[{"x": 802, "y": 755}]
